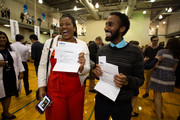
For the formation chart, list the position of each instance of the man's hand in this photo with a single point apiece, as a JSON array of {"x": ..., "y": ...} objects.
[
  {"x": 81, "y": 61},
  {"x": 21, "y": 75},
  {"x": 120, "y": 80},
  {"x": 159, "y": 57},
  {"x": 97, "y": 71}
]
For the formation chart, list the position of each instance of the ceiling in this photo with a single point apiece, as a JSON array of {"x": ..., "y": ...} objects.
[{"x": 106, "y": 6}]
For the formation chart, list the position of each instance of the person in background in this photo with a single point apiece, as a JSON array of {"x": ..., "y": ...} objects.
[
  {"x": 36, "y": 51},
  {"x": 150, "y": 52},
  {"x": 93, "y": 49},
  {"x": 161, "y": 44},
  {"x": 163, "y": 77},
  {"x": 136, "y": 91},
  {"x": 129, "y": 60},
  {"x": 24, "y": 53},
  {"x": 10, "y": 68},
  {"x": 66, "y": 89},
  {"x": 22, "y": 16},
  {"x": 54, "y": 35}
]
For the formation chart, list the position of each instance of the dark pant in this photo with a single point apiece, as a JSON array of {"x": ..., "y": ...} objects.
[
  {"x": 25, "y": 78},
  {"x": 36, "y": 68},
  {"x": 104, "y": 109}
]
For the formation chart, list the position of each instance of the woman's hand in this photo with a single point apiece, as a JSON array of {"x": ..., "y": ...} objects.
[
  {"x": 81, "y": 61},
  {"x": 3, "y": 63},
  {"x": 98, "y": 72},
  {"x": 21, "y": 75},
  {"x": 159, "y": 57},
  {"x": 42, "y": 92}
]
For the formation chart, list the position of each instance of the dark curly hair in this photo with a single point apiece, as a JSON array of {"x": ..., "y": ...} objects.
[
  {"x": 7, "y": 43},
  {"x": 124, "y": 21},
  {"x": 173, "y": 45},
  {"x": 73, "y": 21}
]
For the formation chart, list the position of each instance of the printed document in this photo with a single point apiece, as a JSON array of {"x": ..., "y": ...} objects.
[
  {"x": 67, "y": 55},
  {"x": 106, "y": 85}
]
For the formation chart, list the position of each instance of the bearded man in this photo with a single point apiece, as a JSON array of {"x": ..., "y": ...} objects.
[{"x": 129, "y": 60}]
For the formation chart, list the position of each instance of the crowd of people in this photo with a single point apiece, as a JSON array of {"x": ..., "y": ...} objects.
[{"x": 66, "y": 89}]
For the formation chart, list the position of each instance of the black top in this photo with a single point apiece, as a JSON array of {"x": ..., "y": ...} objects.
[
  {"x": 93, "y": 49},
  {"x": 129, "y": 60},
  {"x": 36, "y": 50},
  {"x": 151, "y": 53}
]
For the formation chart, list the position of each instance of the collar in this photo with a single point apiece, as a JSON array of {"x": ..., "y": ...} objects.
[
  {"x": 155, "y": 46},
  {"x": 121, "y": 44}
]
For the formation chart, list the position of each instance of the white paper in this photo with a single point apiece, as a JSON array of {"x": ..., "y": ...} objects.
[
  {"x": 102, "y": 59},
  {"x": 106, "y": 84},
  {"x": 37, "y": 31},
  {"x": 67, "y": 55}
]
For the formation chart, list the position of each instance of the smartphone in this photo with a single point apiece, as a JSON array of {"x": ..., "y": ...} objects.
[{"x": 42, "y": 105}]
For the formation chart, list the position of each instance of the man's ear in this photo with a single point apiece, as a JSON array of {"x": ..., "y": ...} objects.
[{"x": 122, "y": 29}]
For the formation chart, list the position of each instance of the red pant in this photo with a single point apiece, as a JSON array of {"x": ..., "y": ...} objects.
[{"x": 67, "y": 96}]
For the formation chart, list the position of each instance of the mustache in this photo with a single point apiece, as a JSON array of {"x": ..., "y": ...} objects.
[{"x": 108, "y": 31}]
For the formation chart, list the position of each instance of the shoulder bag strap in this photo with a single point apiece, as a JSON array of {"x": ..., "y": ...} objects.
[{"x": 48, "y": 59}]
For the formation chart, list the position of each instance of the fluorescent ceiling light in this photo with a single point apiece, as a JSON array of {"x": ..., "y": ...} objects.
[
  {"x": 75, "y": 8},
  {"x": 153, "y": 0},
  {"x": 170, "y": 9},
  {"x": 45, "y": 33},
  {"x": 160, "y": 16},
  {"x": 97, "y": 5},
  {"x": 40, "y": 1},
  {"x": 144, "y": 12},
  {"x": 6, "y": 25}
]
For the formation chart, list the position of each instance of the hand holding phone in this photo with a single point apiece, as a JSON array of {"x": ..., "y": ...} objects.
[{"x": 42, "y": 105}]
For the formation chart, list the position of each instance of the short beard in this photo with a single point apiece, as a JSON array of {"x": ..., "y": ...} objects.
[{"x": 114, "y": 36}]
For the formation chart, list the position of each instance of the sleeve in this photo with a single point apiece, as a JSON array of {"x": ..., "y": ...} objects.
[
  {"x": 151, "y": 64},
  {"x": 42, "y": 80},
  {"x": 137, "y": 79},
  {"x": 19, "y": 62},
  {"x": 32, "y": 52},
  {"x": 87, "y": 63},
  {"x": 160, "y": 53}
]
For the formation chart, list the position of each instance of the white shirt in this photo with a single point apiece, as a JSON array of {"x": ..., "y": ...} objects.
[{"x": 22, "y": 50}]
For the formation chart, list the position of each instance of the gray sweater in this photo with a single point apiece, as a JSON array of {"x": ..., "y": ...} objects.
[{"x": 129, "y": 60}]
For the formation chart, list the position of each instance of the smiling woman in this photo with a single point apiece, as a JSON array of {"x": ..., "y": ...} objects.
[
  {"x": 66, "y": 89},
  {"x": 10, "y": 67}
]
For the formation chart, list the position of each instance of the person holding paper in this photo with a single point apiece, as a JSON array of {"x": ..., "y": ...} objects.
[
  {"x": 66, "y": 89},
  {"x": 129, "y": 60}
]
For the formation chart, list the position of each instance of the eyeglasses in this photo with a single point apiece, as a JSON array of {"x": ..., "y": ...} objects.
[{"x": 155, "y": 40}]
